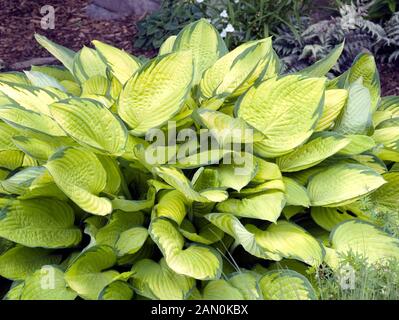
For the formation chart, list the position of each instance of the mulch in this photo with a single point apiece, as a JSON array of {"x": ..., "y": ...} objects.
[{"x": 19, "y": 20}]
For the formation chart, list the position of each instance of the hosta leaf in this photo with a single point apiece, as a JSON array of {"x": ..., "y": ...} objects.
[
  {"x": 236, "y": 71},
  {"x": 226, "y": 129},
  {"x": 199, "y": 262},
  {"x": 42, "y": 80},
  {"x": 20, "y": 262},
  {"x": 117, "y": 290},
  {"x": 131, "y": 240},
  {"x": 312, "y": 153},
  {"x": 386, "y": 197},
  {"x": 178, "y": 180},
  {"x": 95, "y": 85},
  {"x": 63, "y": 54},
  {"x": 172, "y": 205},
  {"x": 31, "y": 121},
  {"x": 356, "y": 115},
  {"x": 157, "y": 281},
  {"x": 357, "y": 145},
  {"x": 44, "y": 223},
  {"x": 121, "y": 64},
  {"x": 286, "y": 285},
  {"x": 167, "y": 46},
  {"x": 85, "y": 275},
  {"x": 47, "y": 283},
  {"x": 41, "y": 147},
  {"x": 335, "y": 100},
  {"x": 156, "y": 92},
  {"x": 289, "y": 241},
  {"x": 6, "y": 134},
  {"x": 266, "y": 206},
  {"x": 57, "y": 72},
  {"x": 387, "y": 133},
  {"x": 205, "y": 43},
  {"x": 31, "y": 98},
  {"x": 328, "y": 218},
  {"x": 80, "y": 175},
  {"x": 90, "y": 123},
  {"x": 295, "y": 193},
  {"x": 207, "y": 233},
  {"x": 87, "y": 63},
  {"x": 221, "y": 290},
  {"x": 266, "y": 171},
  {"x": 364, "y": 239},
  {"x": 365, "y": 67},
  {"x": 342, "y": 183},
  {"x": 11, "y": 159},
  {"x": 321, "y": 67},
  {"x": 119, "y": 222},
  {"x": 276, "y": 108},
  {"x": 233, "y": 227}
]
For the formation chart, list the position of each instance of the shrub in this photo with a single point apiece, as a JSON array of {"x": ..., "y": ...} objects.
[
  {"x": 237, "y": 21},
  {"x": 100, "y": 200}
]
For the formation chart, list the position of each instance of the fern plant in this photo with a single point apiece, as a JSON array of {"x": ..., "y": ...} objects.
[{"x": 311, "y": 42}]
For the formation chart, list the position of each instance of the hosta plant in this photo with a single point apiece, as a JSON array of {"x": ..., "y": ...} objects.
[{"x": 200, "y": 174}]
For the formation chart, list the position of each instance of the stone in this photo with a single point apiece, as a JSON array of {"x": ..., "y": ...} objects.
[{"x": 114, "y": 9}]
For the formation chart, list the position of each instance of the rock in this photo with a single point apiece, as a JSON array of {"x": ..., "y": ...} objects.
[{"x": 114, "y": 9}]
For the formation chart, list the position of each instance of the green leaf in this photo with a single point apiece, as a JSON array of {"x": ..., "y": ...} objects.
[
  {"x": 342, "y": 184},
  {"x": 157, "y": 281},
  {"x": 85, "y": 275},
  {"x": 236, "y": 71},
  {"x": 11, "y": 159},
  {"x": 119, "y": 222},
  {"x": 42, "y": 80},
  {"x": 178, "y": 180},
  {"x": 357, "y": 145},
  {"x": 387, "y": 134},
  {"x": 233, "y": 227},
  {"x": 328, "y": 218},
  {"x": 356, "y": 115},
  {"x": 63, "y": 54},
  {"x": 289, "y": 241},
  {"x": 386, "y": 197},
  {"x": 167, "y": 46},
  {"x": 205, "y": 43},
  {"x": 131, "y": 240},
  {"x": 156, "y": 92},
  {"x": 28, "y": 120},
  {"x": 172, "y": 205},
  {"x": 335, "y": 101},
  {"x": 20, "y": 262},
  {"x": 285, "y": 110},
  {"x": 364, "y": 239},
  {"x": 207, "y": 233},
  {"x": 121, "y": 64},
  {"x": 90, "y": 123},
  {"x": 81, "y": 176},
  {"x": 87, "y": 63},
  {"x": 47, "y": 223},
  {"x": 313, "y": 152},
  {"x": 295, "y": 193},
  {"x": 286, "y": 285},
  {"x": 48, "y": 283},
  {"x": 32, "y": 98},
  {"x": 365, "y": 67},
  {"x": 198, "y": 262},
  {"x": 266, "y": 206},
  {"x": 321, "y": 67},
  {"x": 221, "y": 290},
  {"x": 117, "y": 290}
]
